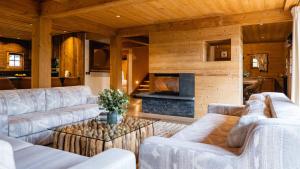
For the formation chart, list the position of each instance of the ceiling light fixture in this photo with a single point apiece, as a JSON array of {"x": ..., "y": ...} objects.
[
  {"x": 65, "y": 31},
  {"x": 118, "y": 16}
]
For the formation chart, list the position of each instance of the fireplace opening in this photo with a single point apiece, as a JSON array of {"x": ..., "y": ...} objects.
[{"x": 176, "y": 84}]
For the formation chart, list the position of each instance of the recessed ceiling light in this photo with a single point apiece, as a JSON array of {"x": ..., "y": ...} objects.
[
  {"x": 65, "y": 31},
  {"x": 118, "y": 16},
  {"x": 30, "y": 24},
  {"x": 262, "y": 37}
]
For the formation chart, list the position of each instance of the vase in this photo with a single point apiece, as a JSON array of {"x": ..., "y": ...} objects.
[{"x": 112, "y": 118}]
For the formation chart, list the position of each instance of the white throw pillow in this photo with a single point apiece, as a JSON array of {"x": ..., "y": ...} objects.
[{"x": 6, "y": 156}]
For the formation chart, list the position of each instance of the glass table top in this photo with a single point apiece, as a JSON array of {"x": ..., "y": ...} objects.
[{"x": 96, "y": 129}]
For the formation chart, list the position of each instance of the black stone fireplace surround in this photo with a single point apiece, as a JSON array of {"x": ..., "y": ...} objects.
[{"x": 174, "y": 96}]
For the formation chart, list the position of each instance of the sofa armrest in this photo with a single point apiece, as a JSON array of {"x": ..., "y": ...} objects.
[
  {"x": 92, "y": 100},
  {"x": 6, "y": 156},
  {"x": 168, "y": 153},
  {"x": 272, "y": 143},
  {"x": 110, "y": 159},
  {"x": 226, "y": 109}
]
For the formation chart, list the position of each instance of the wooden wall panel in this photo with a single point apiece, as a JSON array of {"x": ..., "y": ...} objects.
[
  {"x": 276, "y": 58},
  {"x": 17, "y": 46},
  {"x": 184, "y": 52},
  {"x": 140, "y": 64},
  {"x": 69, "y": 48}
]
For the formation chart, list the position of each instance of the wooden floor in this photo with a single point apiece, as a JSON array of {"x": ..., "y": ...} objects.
[{"x": 135, "y": 109}]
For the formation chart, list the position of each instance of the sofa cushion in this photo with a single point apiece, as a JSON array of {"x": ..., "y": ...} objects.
[
  {"x": 210, "y": 129},
  {"x": 257, "y": 107},
  {"x": 59, "y": 97},
  {"x": 15, "y": 143},
  {"x": 6, "y": 156},
  {"x": 3, "y": 122},
  {"x": 30, "y": 123},
  {"x": 40, "y": 157},
  {"x": 13, "y": 102}
]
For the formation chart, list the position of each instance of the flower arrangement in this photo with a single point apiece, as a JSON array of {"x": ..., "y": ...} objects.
[{"x": 114, "y": 101}]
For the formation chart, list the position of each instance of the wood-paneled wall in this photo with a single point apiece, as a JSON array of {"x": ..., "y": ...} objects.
[
  {"x": 140, "y": 64},
  {"x": 69, "y": 48},
  {"x": 17, "y": 46},
  {"x": 184, "y": 52},
  {"x": 276, "y": 55}
]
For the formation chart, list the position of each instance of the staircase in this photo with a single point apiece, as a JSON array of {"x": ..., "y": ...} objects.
[{"x": 144, "y": 86}]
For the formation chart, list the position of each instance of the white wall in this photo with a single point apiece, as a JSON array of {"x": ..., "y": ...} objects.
[{"x": 96, "y": 80}]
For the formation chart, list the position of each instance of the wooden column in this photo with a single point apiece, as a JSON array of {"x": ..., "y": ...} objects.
[
  {"x": 129, "y": 79},
  {"x": 41, "y": 53},
  {"x": 115, "y": 63}
]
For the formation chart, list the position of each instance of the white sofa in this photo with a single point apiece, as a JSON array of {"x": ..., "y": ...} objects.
[
  {"x": 272, "y": 140},
  {"x": 28, "y": 114},
  {"x": 17, "y": 154}
]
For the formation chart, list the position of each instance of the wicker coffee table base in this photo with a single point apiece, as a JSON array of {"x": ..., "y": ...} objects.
[{"x": 89, "y": 146}]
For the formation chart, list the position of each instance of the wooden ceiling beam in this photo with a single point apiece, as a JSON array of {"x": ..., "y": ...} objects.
[
  {"x": 288, "y": 4},
  {"x": 63, "y": 8},
  {"x": 268, "y": 16},
  {"x": 135, "y": 42},
  {"x": 77, "y": 24}
]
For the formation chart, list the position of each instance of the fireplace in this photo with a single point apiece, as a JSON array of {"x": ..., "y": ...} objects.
[{"x": 170, "y": 94}]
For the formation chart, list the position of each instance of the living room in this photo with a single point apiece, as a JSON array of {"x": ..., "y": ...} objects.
[{"x": 149, "y": 84}]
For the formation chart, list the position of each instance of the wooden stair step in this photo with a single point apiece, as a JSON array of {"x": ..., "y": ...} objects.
[
  {"x": 144, "y": 85},
  {"x": 142, "y": 89}
]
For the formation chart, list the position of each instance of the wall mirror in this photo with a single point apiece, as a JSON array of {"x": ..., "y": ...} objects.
[{"x": 260, "y": 61}]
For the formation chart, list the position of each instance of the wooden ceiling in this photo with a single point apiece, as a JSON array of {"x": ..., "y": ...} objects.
[
  {"x": 105, "y": 17},
  {"x": 274, "y": 32}
]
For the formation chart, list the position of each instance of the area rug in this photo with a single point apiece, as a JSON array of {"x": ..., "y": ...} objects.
[{"x": 167, "y": 129}]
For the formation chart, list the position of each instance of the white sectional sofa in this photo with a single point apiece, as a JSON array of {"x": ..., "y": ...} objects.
[
  {"x": 265, "y": 134},
  {"x": 28, "y": 114}
]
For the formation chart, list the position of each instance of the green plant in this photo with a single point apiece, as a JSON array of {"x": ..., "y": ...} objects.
[{"x": 113, "y": 100}]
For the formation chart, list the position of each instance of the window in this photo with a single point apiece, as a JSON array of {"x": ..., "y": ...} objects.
[
  {"x": 254, "y": 62},
  {"x": 15, "y": 60}
]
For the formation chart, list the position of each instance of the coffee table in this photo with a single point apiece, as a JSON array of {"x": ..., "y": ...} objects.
[{"x": 91, "y": 137}]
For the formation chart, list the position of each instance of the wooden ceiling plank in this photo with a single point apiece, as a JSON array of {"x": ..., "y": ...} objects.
[
  {"x": 82, "y": 25},
  {"x": 56, "y": 9},
  {"x": 268, "y": 16},
  {"x": 28, "y": 8}
]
